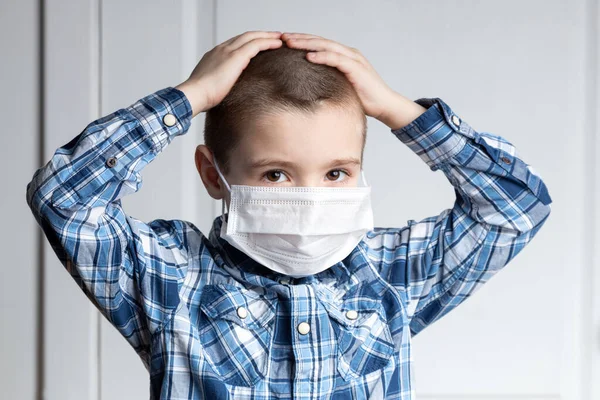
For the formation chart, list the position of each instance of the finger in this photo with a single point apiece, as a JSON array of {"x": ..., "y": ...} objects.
[
  {"x": 253, "y": 35},
  {"x": 253, "y": 47},
  {"x": 324, "y": 45},
  {"x": 250, "y": 35},
  {"x": 237, "y": 41},
  {"x": 345, "y": 64},
  {"x": 286, "y": 35}
]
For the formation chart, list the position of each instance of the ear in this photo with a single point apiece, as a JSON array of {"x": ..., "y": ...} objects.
[{"x": 208, "y": 173}]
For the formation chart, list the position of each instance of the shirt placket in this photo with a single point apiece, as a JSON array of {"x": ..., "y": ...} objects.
[{"x": 305, "y": 339}]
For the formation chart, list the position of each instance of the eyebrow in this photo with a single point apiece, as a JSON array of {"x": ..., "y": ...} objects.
[{"x": 265, "y": 162}]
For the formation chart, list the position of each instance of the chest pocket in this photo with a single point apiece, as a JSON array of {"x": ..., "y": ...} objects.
[
  {"x": 236, "y": 331},
  {"x": 364, "y": 340}
]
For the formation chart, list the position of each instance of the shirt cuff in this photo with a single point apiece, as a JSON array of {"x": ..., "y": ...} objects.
[
  {"x": 436, "y": 135},
  {"x": 155, "y": 114}
]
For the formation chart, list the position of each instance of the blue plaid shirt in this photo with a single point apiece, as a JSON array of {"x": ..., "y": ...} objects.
[{"x": 209, "y": 322}]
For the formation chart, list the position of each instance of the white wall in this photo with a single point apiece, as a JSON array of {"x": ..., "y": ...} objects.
[
  {"x": 19, "y": 236},
  {"x": 526, "y": 70}
]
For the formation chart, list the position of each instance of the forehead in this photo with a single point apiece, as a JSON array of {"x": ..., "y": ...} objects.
[{"x": 303, "y": 138}]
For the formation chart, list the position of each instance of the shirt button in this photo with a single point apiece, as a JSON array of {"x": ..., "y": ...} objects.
[
  {"x": 303, "y": 328},
  {"x": 351, "y": 314},
  {"x": 111, "y": 162},
  {"x": 456, "y": 120},
  {"x": 169, "y": 120},
  {"x": 505, "y": 160},
  {"x": 242, "y": 312}
]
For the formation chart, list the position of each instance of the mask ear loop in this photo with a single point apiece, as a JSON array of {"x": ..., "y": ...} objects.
[
  {"x": 223, "y": 208},
  {"x": 362, "y": 173},
  {"x": 226, "y": 185}
]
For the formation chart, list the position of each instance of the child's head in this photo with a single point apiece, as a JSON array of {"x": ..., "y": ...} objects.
[{"x": 286, "y": 122}]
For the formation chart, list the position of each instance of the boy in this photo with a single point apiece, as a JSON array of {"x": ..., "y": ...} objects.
[{"x": 293, "y": 294}]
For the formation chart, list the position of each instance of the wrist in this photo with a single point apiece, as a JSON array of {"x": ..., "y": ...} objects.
[
  {"x": 194, "y": 96},
  {"x": 400, "y": 111}
]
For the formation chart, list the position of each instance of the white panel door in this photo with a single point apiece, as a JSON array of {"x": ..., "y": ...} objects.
[
  {"x": 20, "y": 238},
  {"x": 70, "y": 351}
]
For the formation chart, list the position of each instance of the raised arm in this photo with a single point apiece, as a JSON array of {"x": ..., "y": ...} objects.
[
  {"x": 131, "y": 270},
  {"x": 500, "y": 205}
]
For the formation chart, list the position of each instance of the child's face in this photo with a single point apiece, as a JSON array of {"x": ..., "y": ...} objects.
[{"x": 299, "y": 149}]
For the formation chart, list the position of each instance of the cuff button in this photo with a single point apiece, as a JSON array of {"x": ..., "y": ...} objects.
[
  {"x": 456, "y": 120},
  {"x": 505, "y": 160},
  {"x": 111, "y": 162},
  {"x": 169, "y": 120}
]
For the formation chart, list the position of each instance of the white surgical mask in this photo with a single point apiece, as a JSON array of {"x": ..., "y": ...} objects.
[{"x": 296, "y": 231}]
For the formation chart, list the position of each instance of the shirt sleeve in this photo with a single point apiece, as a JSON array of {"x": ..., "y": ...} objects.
[
  {"x": 501, "y": 203},
  {"x": 132, "y": 271}
]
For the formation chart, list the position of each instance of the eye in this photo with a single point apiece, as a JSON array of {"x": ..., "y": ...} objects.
[
  {"x": 335, "y": 174},
  {"x": 274, "y": 176}
]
